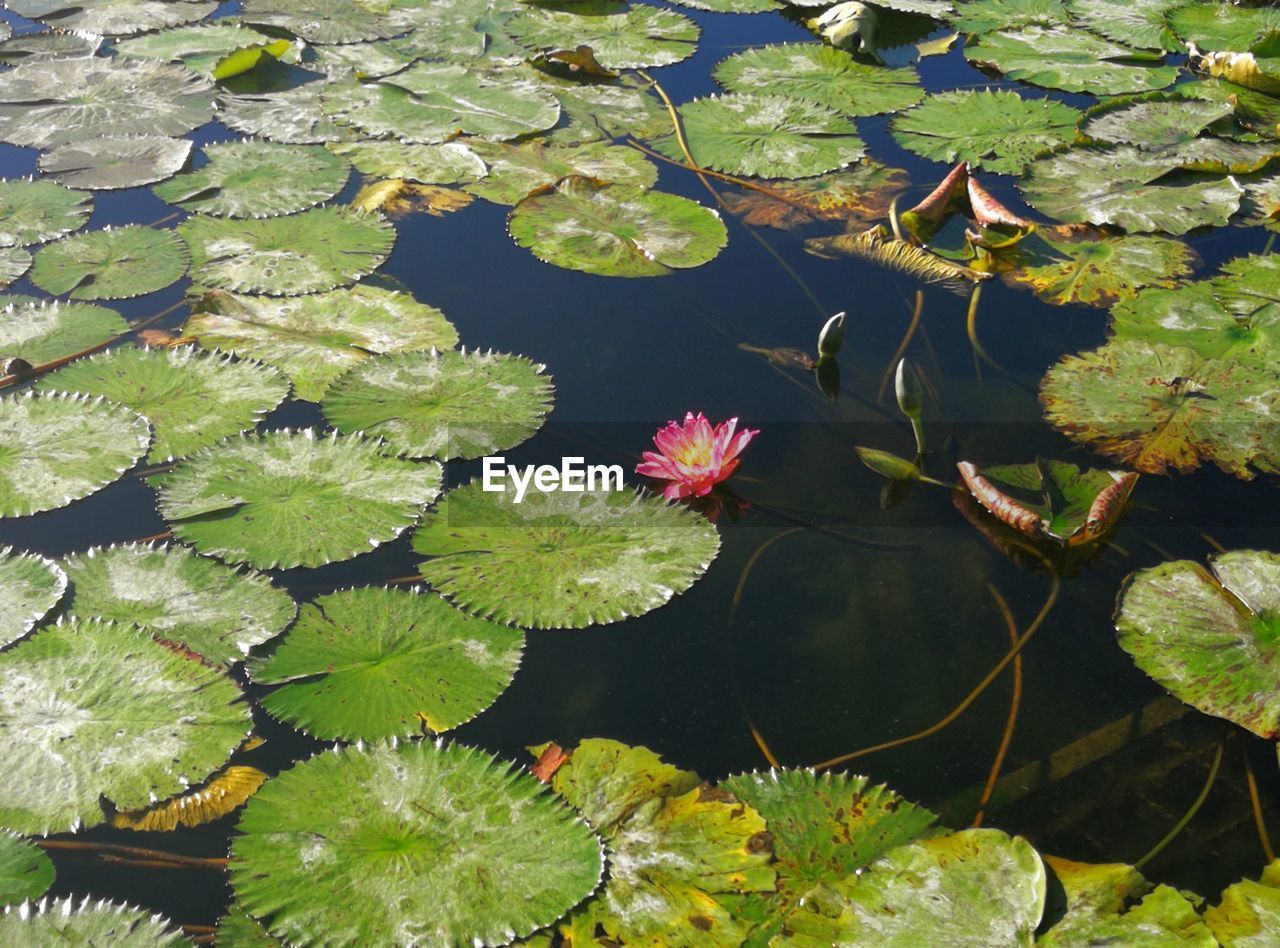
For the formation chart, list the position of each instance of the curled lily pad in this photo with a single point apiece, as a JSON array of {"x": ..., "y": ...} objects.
[
  {"x": 257, "y": 179},
  {"x": 445, "y": 163},
  {"x": 58, "y": 448},
  {"x": 30, "y": 586},
  {"x": 137, "y": 720},
  {"x": 615, "y": 230},
  {"x": 64, "y": 921},
  {"x": 601, "y": 555},
  {"x": 25, "y": 871},
  {"x": 32, "y": 212},
  {"x": 314, "y": 339},
  {"x": 1097, "y": 269},
  {"x": 622, "y": 36},
  {"x": 1073, "y": 60},
  {"x": 861, "y": 193},
  {"x": 326, "y": 21},
  {"x": 442, "y": 404},
  {"x": 516, "y": 170},
  {"x": 309, "y": 252},
  {"x": 106, "y": 164},
  {"x": 290, "y": 498},
  {"x": 42, "y": 331},
  {"x": 113, "y": 17},
  {"x": 193, "y": 601},
  {"x": 401, "y": 845},
  {"x": 225, "y": 793},
  {"x": 14, "y": 262},
  {"x": 377, "y": 663},
  {"x": 205, "y": 48},
  {"x": 111, "y": 264}
]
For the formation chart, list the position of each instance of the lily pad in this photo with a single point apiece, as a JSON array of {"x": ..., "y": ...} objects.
[
  {"x": 14, "y": 262},
  {"x": 369, "y": 664},
  {"x": 291, "y": 498},
  {"x": 445, "y": 163},
  {"x": 603, "y": 111},
  {"x": 601, "y": 555},
  {"x": 32, "y": 212},
  {"x": 861, "y": 193},
  {"x": 997, "y": 130},
  {"x": 1160, "y": 124},
  {"x": 310, "y": 252},
  {"x": 397, "y": 845},
  {"x": 196, "y": 602},
  {"x": 1249, "y": 913},
  {"x": 25, "y": 871},
  {"x": 448, "y": 405},
  {"x": 112, "y": 17},
  {"x": 1143, "y": 23},
  {"x": 1072, "y": 60},
  {"x": 136, "y": 721},
  {"x": 225, "y": 793},
  {"x": 516, "y": 170},
  {"x": 294, "y": 115},
  {"x": 58, "y": 448},
  {"x": 987, "y": 16},
  {"x": 46, "y": 46},
  {"x": 316, "y": 338},
  {"x": 731, "y": 6},
  {"x": 42, "y": 331},
  {"x": 462, "y": 31},
  {"x": 65, "y": 922},
  {"x": 622, "y": 36},
  {"x": 768, "y": 136},
  {"x": 107, "y": 164},
  {"x": 204, "y": 48},
  {"x": 44, "y": 104},
  {"x": 615, "y": 230},
  {"x": 822, "y": 74},
  {"x": 326, "y": 21},
  {"x": 1209, "y": 636},
  {"x": 1098, "y": 270},
  {"x": 30, "y": 586},
  {"x": 257, "y": 179},
  {"x": 114, "y": 263},
  {"x": 1223, "y": 26}
]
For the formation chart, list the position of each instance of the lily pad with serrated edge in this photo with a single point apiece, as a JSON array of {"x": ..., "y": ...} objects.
[
  {"x": 32, "y": 212},
  {"x": 57, "y": 448},
  {"x": 326, "y": 21},
  {"x": 257, "y": 179},
  {"x": 1154, "y": 124},
  {"x": 107, "y": 164},
  {"x": 444, "y": 163},
  {"x": 1142, "y": 23},
  {"x": 605, "y": 110},
  {"x": 367, "y": 664},
  {"x": 314, "y": 339},
  {"x": 830, "y": 77},
  {"x": 516, "y": 170},
  {"x": 25, "y": 871},
  {"x": 293, "y": 498},
  {"x": 114, "y": 263},
  {"x": 200, "y": 48},
  {"x": 410, "y": 843},
  {"x": 238, "y": 930},
  {"x": 137, "y": 721},
  {"x": 764, "y": 135},
  {"x": 1072, "y": 60},
  {"x": 620, "y": 35},
  {"x": 293, "y": 115},
  {"x": 85, "y": 922},
  {"x": 1098, "y": 269},
  {"x": 988, "y": 16},
  {"x": 46, "y": 46},
  {"x": 561, "y": 559},
  {"x": 112, "y": 17},
  {"x": 191, "y": 600},
  {"x": 615, "y": 230},
  {"x": 1223, "y": 26},
  {"x": 14, "y": 262},
  {"x": 30, "y": 586},
  {"x": 311, "y": 252},
  {"x": 447, "y": 405},
  {"x": 41, "y": 331}
]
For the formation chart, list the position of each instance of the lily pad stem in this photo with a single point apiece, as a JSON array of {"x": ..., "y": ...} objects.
[
  {"x": 1187, "y": 817},
  {"x": 916, "y": 312},
  {"x": 1256, "y": 804},
  {"x": 154, "y": 857},
  {"x": 1011, "y": 721}
]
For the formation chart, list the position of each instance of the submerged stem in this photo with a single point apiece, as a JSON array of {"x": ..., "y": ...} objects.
[
  {"x": 134, "y": 853},
  {"x": 1015, "y": 702},
  {"x": 1187, "y": 817},
  {"x": 1256, "y": 805},
  {"x": 885, "y": 379}
]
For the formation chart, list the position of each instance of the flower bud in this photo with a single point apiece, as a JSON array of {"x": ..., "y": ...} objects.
[
  {"x": 906, "y": 386},
  {"x": 831, "y": 336}
]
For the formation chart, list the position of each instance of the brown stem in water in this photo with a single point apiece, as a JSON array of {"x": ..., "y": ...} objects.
[
  {"x": 1015, "y": 702},
  {"x": 902, "y": 347},
  {"x": 1256, "y": 804},
  {"x": 133, "y": 853},
  {"x": 726, "y": 178}
]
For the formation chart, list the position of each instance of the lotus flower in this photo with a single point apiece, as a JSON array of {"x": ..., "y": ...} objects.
[{"x": 694, "y": 457}]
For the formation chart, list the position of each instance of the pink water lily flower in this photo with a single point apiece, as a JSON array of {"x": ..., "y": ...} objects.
[{"x": 694, "y": 457}]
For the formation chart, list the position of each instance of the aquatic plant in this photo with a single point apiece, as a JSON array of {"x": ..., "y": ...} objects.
[{"x": 694, "y": 456}]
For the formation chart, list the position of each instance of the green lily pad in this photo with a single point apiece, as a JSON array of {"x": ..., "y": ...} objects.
[
  {"x": 1249, "y": 913},
  {"x": 112, "y": 17},
  {"x": 316, "y": 250},
  {"x": 1170, "y": 130},
  {"x": 462, "y": 31},
  {"x": 368, "y": 664},
  {"x": 615, "y": 230},
  {"x": 203, "y": 48},
  {"x": 14, "y": 262},
  {"x": 1072, "y": 60},
  {"x": 447, "y": 405},
  {"x": 601, "y": 555},
  {"x": 191, "y": 398},
  {"x": 1209, "y": 636},
  {"x": 42, "y": 331},
  {"x": 65, "y": 922},
  {"x": 603, "y": 111},
  {"x": 375, "y": 59},
  {"x": 46, "y": 46},
  {"x": 237, "y": 930},
  {"x": 32, "y": 212},
  {"x": 43, "y": 104},
  {"x": 987, "y": 16},
  {"x": 257, "y": 179},
  {"x": 316, "y": 338},
  {"x": 107, "y": 164},
  {"x": 976, "y": 887},
  {"x": 445, "y": 163},
  {"x": 30, "y": 586},
  {"x": 198, "y": 603},
  {"x": 407, "y": 844},
  {"x": 291, "y": 498},
  {"x": 58, "y": 448},
  {"x": 293, "y": 115},
  {"x": 1223, "y": 26},
  {"x": 822, "y": 74},
  {"x": 326, "y": 21},
  {"x": 731, "y": 6},
  {"x": 764, "y": 135},
  {"x": 621, "y": 36},
  {"x": 1098, "y": 270},
  {"x": 25, "y": 871},
  {"x": 997, "y": 130},
  {"x": 516, "y": 170},
  {"x": 136, "y": 721},
  {"x": 114, "y": 263},
  {"x": 1142, "y": 23}
]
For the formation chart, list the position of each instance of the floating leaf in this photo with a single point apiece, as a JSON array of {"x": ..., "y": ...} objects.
[
  {"x": 257, "y": 179},
  {"x": 602, "y": 111},
  {"x": 42, "y": 331},
  {"x": 1160, "y": 124},
  {"x": 32, "y": 212},
  {"x": 224, "y": 794},
  {"x": 446, "y": 163},
  {"x": 1097, "y": 270},
  {"x": 14, "y": 262},
  {"x": 309, "y": 252},
  {"x": 25, "y": 871},
  {"x": 369, "y": 664},
  {"x": 516, "y": 170},
  {"x": 987, "y": 16},
  {"x": 64, "y": 922},
  {"x": 561, "y": 559},
  {"x": 765, "y": 135},
  {"x": 1223, "y": 26},
  {"x": 203, "y": 48},
  {"x": 112, "y": 17},
  {"x": 821, "y": 74},
  {"x": 111, "y": 264},
  {"x": 288, "y": 498},
  {"x": 316, "y": 338},
  {"x": 403, "y": 844},
  {"x": 1058, "y": 57},
  {"x": 106, "y": 164},
  {"x": 136, "y": 720},
  {"x": 192, "y": 601},
  {"x": 293, "y": 115},
  {"x": 30, "y": 586},
  {"x": 238, "y": 930},
  {"x": 1143, "y": 23},
  {"x": 1249, "y": 912},
  {"x": 46, "y": 46},
  {"x": 876, "y": 245},
  {"x": 59, "y": 448},
  {"x": 862, "y": 193},
  {"x": 463, "y": 31},
  {"x": 731, "y": 6},
  {"x": 326, "y": 21},
  {"x": 398, "y": 199},
  {"x": 621, "y": 36},
  {"x": 447, "y": 405},
  {"x": 615, "y": 230}
]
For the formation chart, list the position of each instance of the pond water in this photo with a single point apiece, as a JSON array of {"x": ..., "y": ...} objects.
[{"x": 827, "y": 622}]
